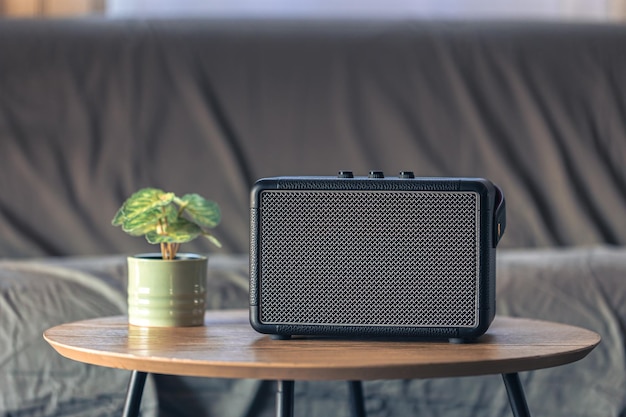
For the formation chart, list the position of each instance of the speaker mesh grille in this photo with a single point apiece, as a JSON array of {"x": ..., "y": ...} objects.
[{"x": 371, "y": 258}]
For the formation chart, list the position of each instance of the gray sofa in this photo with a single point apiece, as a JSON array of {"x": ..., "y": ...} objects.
[{"x": 92, "y": 110}]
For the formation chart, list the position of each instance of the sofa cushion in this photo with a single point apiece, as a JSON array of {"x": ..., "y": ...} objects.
[
  {"x": 579, "y": 286},
  {"x": 35, "y": 379}
]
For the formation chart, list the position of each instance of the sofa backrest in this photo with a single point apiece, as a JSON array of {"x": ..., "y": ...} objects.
[{"x": 91, "y": 110}]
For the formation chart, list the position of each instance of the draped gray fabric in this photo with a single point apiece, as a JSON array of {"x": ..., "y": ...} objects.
[{"x": 92, "y": 110}]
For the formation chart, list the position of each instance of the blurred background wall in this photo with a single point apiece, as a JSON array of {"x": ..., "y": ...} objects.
[{"x": 612, "y": 10}]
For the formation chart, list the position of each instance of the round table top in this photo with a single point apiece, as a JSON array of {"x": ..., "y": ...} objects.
[{"x": 228, "y": 347}]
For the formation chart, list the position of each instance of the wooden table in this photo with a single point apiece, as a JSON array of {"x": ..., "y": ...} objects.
[{"x": 227, "y": 347}]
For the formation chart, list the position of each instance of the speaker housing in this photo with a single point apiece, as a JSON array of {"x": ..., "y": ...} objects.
[{"x": 374, "y": 256}]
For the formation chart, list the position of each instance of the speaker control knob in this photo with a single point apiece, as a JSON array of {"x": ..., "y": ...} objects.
[
  {"x": 406, "y": 174},
  {"x": 376, "y": 174},
  {"x": 345, "y": 174}
]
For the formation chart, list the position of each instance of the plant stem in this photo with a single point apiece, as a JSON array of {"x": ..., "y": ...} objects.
[
  {"x": 174, "y": 250},
  {"x": 169, "y": 250}
]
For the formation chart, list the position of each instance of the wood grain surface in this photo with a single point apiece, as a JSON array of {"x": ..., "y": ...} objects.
[{"x": 228, "y": 347}]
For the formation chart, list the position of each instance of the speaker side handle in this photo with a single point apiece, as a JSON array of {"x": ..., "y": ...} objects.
[{"x": 499, "y": 216}]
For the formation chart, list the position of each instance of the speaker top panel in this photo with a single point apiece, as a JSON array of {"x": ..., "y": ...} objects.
[{"x": 376, "y": 181}]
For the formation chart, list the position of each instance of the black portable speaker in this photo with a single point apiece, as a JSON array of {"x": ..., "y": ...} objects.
[{"x": 374, "y": 256}]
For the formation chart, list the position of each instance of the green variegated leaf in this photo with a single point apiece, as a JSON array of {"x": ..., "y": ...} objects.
[
  {"x": 180, "y": 231},
  {"x": 171, "y": 213},
  {"x": 144, "y": 222},
  {"x": 201, "y": 211},
  {"x": 212, "y": 239},
  {"x": 145, "y": 200},
  {"x": 119, "y": 217},
  {"x": 155, "y": 238},
  {"x": 150, "y": 220},
  {"x": 183, "y": 231}
]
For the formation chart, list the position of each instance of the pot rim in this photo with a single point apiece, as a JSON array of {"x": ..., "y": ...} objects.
[{"x": 157, "y": 257}]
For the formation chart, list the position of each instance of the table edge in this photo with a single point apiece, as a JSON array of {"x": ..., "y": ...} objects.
[{"x": 294, "y": 372}]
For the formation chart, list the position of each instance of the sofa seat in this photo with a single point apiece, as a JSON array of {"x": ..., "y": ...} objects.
[{"x": 581, "y": 286}]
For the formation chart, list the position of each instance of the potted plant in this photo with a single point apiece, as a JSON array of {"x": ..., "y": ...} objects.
[{"x": 167, "y": 289}]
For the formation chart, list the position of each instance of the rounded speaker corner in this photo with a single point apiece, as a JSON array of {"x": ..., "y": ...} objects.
[
  {"x": 260, "y": 186},
  {"x": 481, "y": 186},
  {"x": 471, "y": 334}
]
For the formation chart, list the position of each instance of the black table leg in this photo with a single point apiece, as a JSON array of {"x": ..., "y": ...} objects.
[
  {"x": 284, "y": 398},
  {"x": 515, "y": 391},
  {"x": 356, "y": 398},
  {"x": 134, "y": 393}
]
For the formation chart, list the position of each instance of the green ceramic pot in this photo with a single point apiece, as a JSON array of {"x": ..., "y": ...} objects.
[{"x": 165, "y": 293}]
